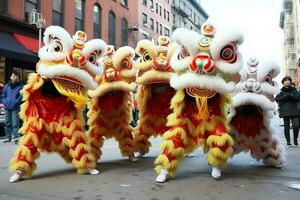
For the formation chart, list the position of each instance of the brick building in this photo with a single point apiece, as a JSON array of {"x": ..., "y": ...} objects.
[
  {"x": 109, "y": 20},
  {"x": 153, "y": 19}
]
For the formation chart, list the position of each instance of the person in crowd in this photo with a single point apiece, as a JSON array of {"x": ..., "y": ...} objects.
[
  {"x": 287, "y": 100},
  {"x": 12, "y": 99}
]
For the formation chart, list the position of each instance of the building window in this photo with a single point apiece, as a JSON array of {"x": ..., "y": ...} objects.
[
  {"x": 97, "y": 21},
  {"x": 3, "y": 7},
  {"x": 57, "y": 12},
  {"x": 156, "y": 27},
  {"x": 124, "y": 28},
  {"x": 156, "y": 7},
  {"x": 111, "y": 28},
  {"x": 145, "y": 2},
  {"x": 144, "y": 18},
  {"x": 174, "y": 18},
  {"x": 168, "y": 16},
  {"x": 160, "y": 29},
  {"x": 160, "y": 10},
  {"x": 166, "y": 31},
  {"x": 165, "y": 15},
  {"x": 151, "y": 4},
  {"x": 151, "y": 24},
  {"x": 29, "y": 6},
  {"x": 79, "y": 13}
]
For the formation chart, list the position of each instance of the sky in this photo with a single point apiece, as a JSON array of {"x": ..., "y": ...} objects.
[{"x": 258, "y": 20}]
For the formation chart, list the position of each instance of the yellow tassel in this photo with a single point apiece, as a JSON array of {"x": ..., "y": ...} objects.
[
  {"x": 75, "y": 95},
  {"x": 201, "y": 102}
]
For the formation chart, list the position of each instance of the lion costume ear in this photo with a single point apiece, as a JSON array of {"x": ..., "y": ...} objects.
[
  {"x": 146, "y": 45},
  {"x": 268, "y": 68},
  {"x": 172, "y": 49}
]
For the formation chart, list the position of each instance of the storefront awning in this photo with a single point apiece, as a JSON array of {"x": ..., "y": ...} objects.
[
  {"x": 10, "y": 48},
  {"x": 29, "y": 43}
]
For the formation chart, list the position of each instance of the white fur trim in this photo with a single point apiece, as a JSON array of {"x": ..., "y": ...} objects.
[
  {"x": 146, "y": 45},
  {"x": 177, "y": 64},
  {"x": 60, "y": 33},
  {"x": 91, "y": 46},
  {"x": 203, "y": 81},
  {"x": 154, "y": 76},
  {"x": 121, "y": 53},
  {"x": 266, "y": 88},
  {"x": 220, "y": 41},
  {"x": 111, "y": 86},
  {"x": 228, "y": 67},
  {"x": 62, "y": 69},
  {"x": 252, "y": 99},
  {"x": 265, "y": 68},
  {"x": 46, "y": 55},
  {"x": 188, "y": 39}
]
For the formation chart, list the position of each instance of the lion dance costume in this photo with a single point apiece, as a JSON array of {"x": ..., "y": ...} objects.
[
  {"x": 110, "y": 109},
  {"x": 251, "y": 113},
  {"x": 53, "y": 102},
  {"x": 205, "y": 67},
  {"x": 154, "y": 91}
]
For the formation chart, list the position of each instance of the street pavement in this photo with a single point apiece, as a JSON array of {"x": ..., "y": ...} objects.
[{"x": 243, "y": 179}]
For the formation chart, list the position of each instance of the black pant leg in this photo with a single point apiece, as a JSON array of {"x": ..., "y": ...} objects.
[
  {"x": 295, "y": 122},
  {"x": 286, "y": 121}
]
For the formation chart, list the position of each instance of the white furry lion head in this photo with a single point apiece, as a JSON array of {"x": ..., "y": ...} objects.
[
  {"x": 206, "y": 62},
  {"x": 257, "y": 86},
  {"x": 119, "y": 71},
  {"x": 154, "y": 60},
  {"x": 72, "y": 61}
]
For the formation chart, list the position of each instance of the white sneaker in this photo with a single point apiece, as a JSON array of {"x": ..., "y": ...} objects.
[
  {"x": 92, "y": 171},
  {"x": 138, "y": 155},
  {"x": 216, "y": 173},
  {"x": 133, "y": 158},
  {"x": 17, "y": 176},
  {"x": 190, "y": 155},
  {"x": 163, "y": 176}
]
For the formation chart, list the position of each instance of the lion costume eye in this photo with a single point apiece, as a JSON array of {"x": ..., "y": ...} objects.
[
  {"x": 146, "y": 56},
  {"x": 56, "y": 46},
  {"x": 269, "y": 79},
  {"x": 183, "y": 53},
  {"x": 125, "y": 64},
  {"x": 93, "y": 57},
  {"x": 228, "y": 53}
]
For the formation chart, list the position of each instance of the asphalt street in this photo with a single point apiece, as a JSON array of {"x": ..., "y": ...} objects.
[{"x": 243, "y": 179}]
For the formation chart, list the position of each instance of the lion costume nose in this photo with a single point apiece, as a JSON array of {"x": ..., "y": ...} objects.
[
  {"x": 203, "y": 64},
  {"x": 251, "y": 85},
  {"x": 111, "y": 75},
  {"x": 76, "y": 59}
]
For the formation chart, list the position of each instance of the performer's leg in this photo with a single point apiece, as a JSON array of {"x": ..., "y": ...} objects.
[
  {"x": 96, "y": 140},
  {"x": 127, "y": 144},
  {"x": 65, "y": 155},
  {"x": 80, "y": 151},
  {"x": 295, "y": 124},
  {"x": 173, "y": 149},
  {"x": 142, "y": 140},
  {"x": 286, "y": 121},
  {"x": 23, "y": 162},
  {"x": 220, "y": 146},
  {"x": 270, "y": 150}
]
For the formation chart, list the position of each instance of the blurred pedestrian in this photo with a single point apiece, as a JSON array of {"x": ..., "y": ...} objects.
[
  {"x": 287, "y": 99},
  {"x": 12, "y": 100}
]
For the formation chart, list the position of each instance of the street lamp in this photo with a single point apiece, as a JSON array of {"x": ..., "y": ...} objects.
[{"x": 39, "y": 21}]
